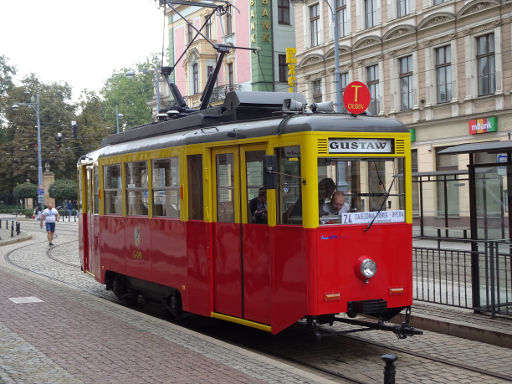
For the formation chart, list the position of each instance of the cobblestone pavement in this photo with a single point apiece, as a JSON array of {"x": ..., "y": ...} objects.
[
  {"x": 71, "y": 336},
  {"x": 85, "y": 338}
]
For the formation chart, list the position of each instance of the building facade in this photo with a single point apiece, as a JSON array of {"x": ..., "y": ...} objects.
[
  {"x": 265, "y": 25},
  {"x": 443, "y": 68}
]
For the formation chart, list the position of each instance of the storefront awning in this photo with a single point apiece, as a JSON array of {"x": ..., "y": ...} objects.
[{"x": 488, "y": 146}]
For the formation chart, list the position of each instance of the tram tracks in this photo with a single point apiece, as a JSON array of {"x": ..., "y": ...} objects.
[{"x": 347, "y": 358}]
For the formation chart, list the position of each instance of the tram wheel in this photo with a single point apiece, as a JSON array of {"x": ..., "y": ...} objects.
[
  {"x": 126, "y": 295},
  {"x": 173, "y": 305}
]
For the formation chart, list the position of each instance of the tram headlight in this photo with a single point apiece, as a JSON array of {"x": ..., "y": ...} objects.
[{"x": 368, "y": 268}]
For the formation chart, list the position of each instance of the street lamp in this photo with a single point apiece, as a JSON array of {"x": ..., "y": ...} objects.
[
  {"x": 336, "y": 55},
  {"x": 118, "y": 115},
  {"x": 35, "y": 107}
]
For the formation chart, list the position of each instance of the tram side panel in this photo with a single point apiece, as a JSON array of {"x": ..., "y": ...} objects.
[
  {"x": 83, "y": 241},
  {"x": 257, "y": 262},
  {"x": 112, "y": 244},
  {"x": 291, "y": 275},
  {"x": 169, "y": 249},
  {"x": 196, "y": 293},
  {"x": 94, "y": 244}
]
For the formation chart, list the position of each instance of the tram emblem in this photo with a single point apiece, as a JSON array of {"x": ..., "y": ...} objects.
[{"x": 136, "y": 236}]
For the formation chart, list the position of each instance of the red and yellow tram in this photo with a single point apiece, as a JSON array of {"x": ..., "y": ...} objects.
[{"x": 166, "y": 213}]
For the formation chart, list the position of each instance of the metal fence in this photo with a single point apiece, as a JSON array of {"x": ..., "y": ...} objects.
[{"x": 479, "y": 279}]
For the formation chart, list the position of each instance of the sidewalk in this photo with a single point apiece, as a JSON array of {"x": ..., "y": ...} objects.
[
  {"x": 54, "y": 333},
  {"x": 61, "y": 331}
]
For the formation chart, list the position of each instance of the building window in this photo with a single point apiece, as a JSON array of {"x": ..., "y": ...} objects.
[
  {"x": 444, "y": 74},
  {"x": 372, "y": 80},
  {"x": 229, "y": 21},
  {"x": 283, "y": 12},
  {"x": 341, "y": 17},
  {"x": 437, "y": 2},
  {"x": 231, "y": 81},
  {"x": 405, "y": 83},
  {"x": 344, "y": 83},
  {"x": 209, "y": 70},
  {"x": 283, "y": 69},
  {"x": 317, "y": 91},
  {"x": 195, "y": 78},
  {"x": 190, "y": 32},
  {"x": 485, "y": 64},
  {"x": 370, "y": 11},
  {"x": 314, "y": 18},
  {"x": 208, "y": 28},
  {"x": 402, "y": 8}
]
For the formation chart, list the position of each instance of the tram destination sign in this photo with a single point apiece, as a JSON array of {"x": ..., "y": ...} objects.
[{"x": 361, "y": 146}]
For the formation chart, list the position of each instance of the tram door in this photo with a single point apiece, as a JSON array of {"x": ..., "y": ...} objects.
[
  {"x": 83, "y": 222},
  {"x": 237, "y": 177}
]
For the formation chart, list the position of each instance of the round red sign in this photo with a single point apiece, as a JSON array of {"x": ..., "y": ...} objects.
[{"x": 356, "y": 97}]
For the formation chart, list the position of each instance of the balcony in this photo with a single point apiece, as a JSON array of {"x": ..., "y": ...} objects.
[{"x": 219, "y": 93}]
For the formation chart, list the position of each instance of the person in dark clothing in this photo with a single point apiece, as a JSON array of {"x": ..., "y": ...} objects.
[{"x": 258, "y": 207}]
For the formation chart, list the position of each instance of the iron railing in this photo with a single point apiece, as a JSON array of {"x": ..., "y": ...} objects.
[
  {"x": 219, "y": 93},
  {"x": 446, "y": 276}
]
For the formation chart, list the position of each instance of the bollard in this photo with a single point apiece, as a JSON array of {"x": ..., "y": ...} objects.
[
  {"x": 389, "y": 369},
  {"x": 74, "y": 218},
  {"x": 12, "y": 228},
  {"x": 18, "y": 228}
]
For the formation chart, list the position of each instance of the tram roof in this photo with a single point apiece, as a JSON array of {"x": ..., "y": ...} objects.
[{"x": 211, "y": 126}]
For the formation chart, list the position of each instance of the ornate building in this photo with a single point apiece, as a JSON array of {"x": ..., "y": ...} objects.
[
  {"x": 266, "y": 26},
  {"x": 442, "y": 67}
]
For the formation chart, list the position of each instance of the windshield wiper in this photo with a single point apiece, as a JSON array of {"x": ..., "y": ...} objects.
[{"x": 382, "y": 205}]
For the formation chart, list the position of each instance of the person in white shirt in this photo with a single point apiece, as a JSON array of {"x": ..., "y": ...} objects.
[
  {"x": 336, "y": 206},
  {"x": 50, "y": 215}
]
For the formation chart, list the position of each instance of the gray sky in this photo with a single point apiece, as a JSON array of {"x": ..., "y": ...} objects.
[{"x": 79, "y": 42}]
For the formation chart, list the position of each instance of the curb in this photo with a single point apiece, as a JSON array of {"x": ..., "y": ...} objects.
[
  {"x": 459, "y": 329},
  {"x": 17, "y": 239}
]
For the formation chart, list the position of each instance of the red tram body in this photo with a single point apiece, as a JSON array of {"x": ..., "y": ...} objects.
[{"x": 165, "y": 214}]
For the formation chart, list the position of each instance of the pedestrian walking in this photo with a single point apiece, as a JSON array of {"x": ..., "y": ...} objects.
[
  {"x": 70, "y": 208},
  {"x": 50, "y": 215}
]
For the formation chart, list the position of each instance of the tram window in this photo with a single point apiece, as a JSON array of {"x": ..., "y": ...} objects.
[
  {"x": 112, "y": 190},
  {"x": 136, "y": 176},
  {"x": 289, "y": 192},
  {"x": 195, "y": 187},
  {"x": 225, "y": 188},
  {"x": 367, "y": 185},
  {"x": 166, "y": 190},
  {"x": 96, "y": 191},
  {"x": 256, "y": 197}
]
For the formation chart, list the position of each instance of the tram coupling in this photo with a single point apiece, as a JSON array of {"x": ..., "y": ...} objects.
[{"x": 402, "y": 330}]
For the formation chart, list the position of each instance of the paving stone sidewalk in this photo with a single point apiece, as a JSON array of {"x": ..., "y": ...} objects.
[{"x": 64, "y": 335}]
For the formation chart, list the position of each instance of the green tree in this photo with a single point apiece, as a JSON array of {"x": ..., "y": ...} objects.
[
  {"x": 92, "y": 127},
  {"x": 19, "y": 149},
  {"x": 27, "y": 190},
  {"x": 63, "y": 190},
  {"x": 6, "y": 73},
  {"x": 130, "y": 95}
]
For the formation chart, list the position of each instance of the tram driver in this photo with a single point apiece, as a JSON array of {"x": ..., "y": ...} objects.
[{"x": 336, "y": 206}]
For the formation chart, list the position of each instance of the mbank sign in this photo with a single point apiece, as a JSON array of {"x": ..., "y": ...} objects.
[{"x": 484, "y": 125}]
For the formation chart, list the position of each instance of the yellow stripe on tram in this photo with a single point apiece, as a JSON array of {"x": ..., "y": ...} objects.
[{"x": 247, "y": 323}]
